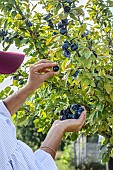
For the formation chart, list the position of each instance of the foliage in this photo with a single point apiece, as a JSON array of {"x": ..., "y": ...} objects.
[
  {"x": 21, "y": 24},
  {"x": 62, "y": 166},
  {"x": 28, "y": 133},
  {"x": 68, "y": 154}
]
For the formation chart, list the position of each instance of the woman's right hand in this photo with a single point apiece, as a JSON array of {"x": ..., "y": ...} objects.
[{"x": 39, "y": 72}]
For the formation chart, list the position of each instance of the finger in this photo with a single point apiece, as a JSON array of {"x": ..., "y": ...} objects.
[
  {"x": 44, "y": 61},
  {"x": 44, "y": 71},
  {"x": 42, "y": 66},
  {"x": 83, "y": 107},
  {"x": 48, "y": 75},
  {"x": 82, "y": 118}
]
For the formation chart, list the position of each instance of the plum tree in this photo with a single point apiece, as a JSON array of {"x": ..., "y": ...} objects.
[{"x": 86, "y": 64}]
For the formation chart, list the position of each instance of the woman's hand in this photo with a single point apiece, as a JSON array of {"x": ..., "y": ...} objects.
[
  {"x": 39, "y": 72},
  {"x": 72, "y": 125},
  {"x": 57, "y": 131}
]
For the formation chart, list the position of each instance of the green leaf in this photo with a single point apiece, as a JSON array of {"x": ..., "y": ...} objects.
[
  {"x": 21, "y": 120},
  {"x": 74, "y": 136},
  {"x": 110, "y": 3},
  {"x": 7, "y": 89},
  {"x": 13, "y": 13},
  {"x": 73, "y": 16},
  {"x": 100, "y": 95},
  {"x": 2, "y": 77},
  {"x": 107, "y": 87},
  {"x": 100, "y": 106},
  {"x": 58, "y": 6},
  {"x": 88, "y": 54},
  {"x": 62, "y": 16},
  {"x": 111, "y": 96},
  {"x": 105, "y": 157}
]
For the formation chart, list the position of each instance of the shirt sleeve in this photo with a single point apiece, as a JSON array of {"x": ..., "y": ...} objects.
[
  {"x": 44, "y": 159},
  {"x": 4, "y": 111}
]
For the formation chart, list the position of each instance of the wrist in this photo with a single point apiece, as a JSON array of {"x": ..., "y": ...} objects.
[
  {"x": 54, "y": 135},
  {"x": 28, "y": 89},
  {"x": 53, "y": 138},
  {"x": 59, "y": 126}
]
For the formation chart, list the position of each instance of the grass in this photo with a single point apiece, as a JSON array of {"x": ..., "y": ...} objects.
[{"x": 60, "y": 165}]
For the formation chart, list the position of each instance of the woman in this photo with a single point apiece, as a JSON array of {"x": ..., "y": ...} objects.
[{"x": 14, "y": 154}]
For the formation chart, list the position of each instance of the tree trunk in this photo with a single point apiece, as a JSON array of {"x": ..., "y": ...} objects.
[{"x": 110, "y": 164}]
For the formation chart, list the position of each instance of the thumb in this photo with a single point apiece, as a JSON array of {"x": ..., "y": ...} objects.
[
  {"x": 49, "y": 74},
  {"x": 82, "y": 118}
]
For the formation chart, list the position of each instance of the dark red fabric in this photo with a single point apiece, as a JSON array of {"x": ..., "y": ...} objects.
[{"x": 10, "y": 61}]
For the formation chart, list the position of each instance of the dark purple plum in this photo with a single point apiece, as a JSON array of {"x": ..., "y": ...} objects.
[
  {"x": 67, "y": 53},
  {"x": 67, "y": 9},
  {"x": 55, "y": 68}
]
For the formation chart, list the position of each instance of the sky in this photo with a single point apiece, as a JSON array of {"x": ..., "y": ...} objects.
[{"x": 13, "y": 48}]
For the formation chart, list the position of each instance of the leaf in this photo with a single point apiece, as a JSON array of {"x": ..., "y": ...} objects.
[
  {"x": 110, "y": 3},
  {"x": 34, "y": 7},
  {"x": 2, "y": 77},
  {"x": 58, "y": 6},
  {"x": 105, "y": 157},
  {"x": 7, "y": 89},
  {"x": 111, "y": 96},
  {"x": 50, "y": 40},
  {"x": 64, "y": 64},
  {"x": 83, "y": 28},
  {"x": 74, "y": 136},
  {"x": 20, "y": 120},
  {"x": 107, "y": 87},
  {"x": 111, "y": 140},
  {"x": 100, "y": 106},
  {"x": 5, "y": 24},
  {"x": 107, "y": 29},
  {"x": 13, "y": 13},
  {"x": 40, "y": 130},
  {"x": 73, "y": 16},
  {"x": 62, "y": 16},
  {"x": 88, "y": 54},
  {"x": 100, "y": 95},
  {"x": 92, "y": 117},
  {"x": 49, "y": 7},
  {"x": 79, "y": 11},
  {"x": 88, "y": 64},
  {"x": 18, "y": 16},
  {"x": 76, "y": 81}
]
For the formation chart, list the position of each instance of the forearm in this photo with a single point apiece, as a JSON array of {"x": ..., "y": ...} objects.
[
  {"x": 16, "y": 100},
  {"x": 53, "y": 139}
]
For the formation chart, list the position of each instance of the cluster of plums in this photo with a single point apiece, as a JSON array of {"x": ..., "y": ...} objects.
[
  {"x": 48, "y": 19},
  {"x": 4, "y": 34},
  {"x": 62, "y": 25},
  {"x": 73, "y": 46},
  {"x": 72, "y": 112}
]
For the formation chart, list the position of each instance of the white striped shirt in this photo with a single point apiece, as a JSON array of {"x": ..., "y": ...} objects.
[{"x": 16, "y": 155}]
